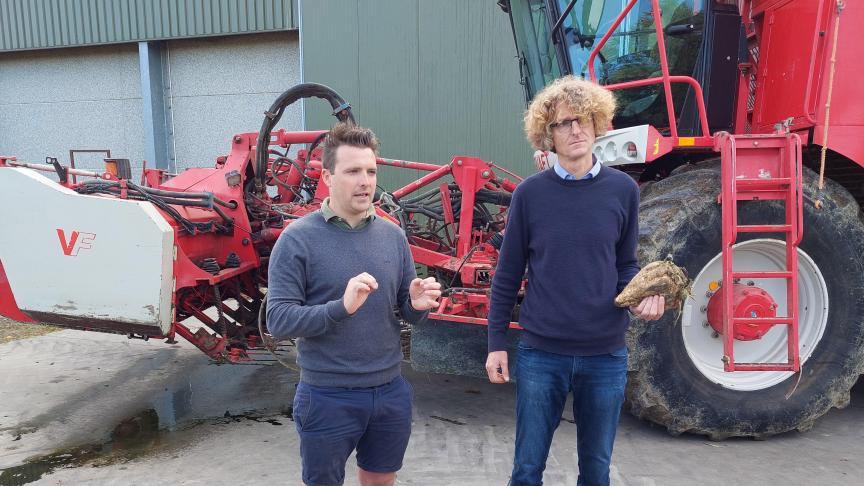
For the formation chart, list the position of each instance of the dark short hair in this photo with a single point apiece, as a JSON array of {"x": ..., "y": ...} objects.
[{"x": 346, "y": 134}]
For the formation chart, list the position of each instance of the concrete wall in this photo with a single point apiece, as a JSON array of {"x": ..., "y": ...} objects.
[
  {"x": 90, "y": 98},
  {"x": 222, "y": 86},
  {"x": 78, "y": 98}
]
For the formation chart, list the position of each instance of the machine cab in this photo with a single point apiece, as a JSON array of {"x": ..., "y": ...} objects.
[{"x": 704, "y": 40}]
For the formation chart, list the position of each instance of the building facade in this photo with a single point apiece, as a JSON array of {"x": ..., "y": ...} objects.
[{"x": 170, "y": 82}]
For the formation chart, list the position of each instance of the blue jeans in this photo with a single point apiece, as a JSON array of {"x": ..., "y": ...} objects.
[{"x": 543, "y": 382}]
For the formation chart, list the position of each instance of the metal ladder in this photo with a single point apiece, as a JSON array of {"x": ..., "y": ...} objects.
[{"x": 763, "y": 168}]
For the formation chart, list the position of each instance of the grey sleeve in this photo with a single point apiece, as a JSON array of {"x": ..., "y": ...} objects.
[
  {"x": 409, "y": 273},
  {"x": 287, "y": 312}
]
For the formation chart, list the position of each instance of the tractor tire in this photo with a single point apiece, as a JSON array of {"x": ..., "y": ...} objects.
[{"x": 676, "y": 377}]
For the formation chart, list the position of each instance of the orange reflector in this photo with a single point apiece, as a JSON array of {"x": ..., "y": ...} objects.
[
  {"x": 713, "y": 285},
  {"x": 111, "y": 167},
  {"x": 686, "y": 141}
]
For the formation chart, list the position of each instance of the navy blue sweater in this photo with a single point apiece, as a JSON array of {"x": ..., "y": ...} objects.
[{"x": 578, "y": 239}]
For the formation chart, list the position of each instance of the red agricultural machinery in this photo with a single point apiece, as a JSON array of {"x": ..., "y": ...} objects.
[
  {"x": 727, "y": 111},
  {"x": 142, "y": 258}
]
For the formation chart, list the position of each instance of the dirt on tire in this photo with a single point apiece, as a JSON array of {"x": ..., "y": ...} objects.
[{"x": 680, "y": 216}]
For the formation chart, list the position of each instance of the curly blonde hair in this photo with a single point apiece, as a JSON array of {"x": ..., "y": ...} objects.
[{"x": 586, "y": 99}]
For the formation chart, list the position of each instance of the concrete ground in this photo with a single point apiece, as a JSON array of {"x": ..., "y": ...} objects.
[{"x": 86, "y": 408}]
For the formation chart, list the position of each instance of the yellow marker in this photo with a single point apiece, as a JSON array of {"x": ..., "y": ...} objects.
[
  {"x": 656, "y": 147},
  {"x": 686, "y": 141},
  {"x": 713, "y": 285}
]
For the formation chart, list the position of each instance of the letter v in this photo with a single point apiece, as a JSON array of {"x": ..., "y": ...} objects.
[{"x": 67, "y": 249}]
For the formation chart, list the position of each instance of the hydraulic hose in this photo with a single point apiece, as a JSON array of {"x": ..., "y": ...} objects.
[{"x": 341, "y": 110}]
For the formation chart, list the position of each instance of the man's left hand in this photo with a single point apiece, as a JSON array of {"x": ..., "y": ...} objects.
[
  {"x": 650, "y": 309},
  {"x": 424, "y": 293}
]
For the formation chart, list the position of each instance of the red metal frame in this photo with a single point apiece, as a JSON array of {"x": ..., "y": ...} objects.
[
  {"x": 478, "y": 321},
  {"x": 469, "y": 255},
  {"x": 741, "y": 109},
  {"x": 741, "y": 180},
  {"x": 665, "y": 79},
  {"x": 72, "y": 153},
  {"x": 789, "y": 80},
  {"x": 801, "y": 55},
  {"x": 765, "y": 168},
  {"x": 8, "y": 307}
]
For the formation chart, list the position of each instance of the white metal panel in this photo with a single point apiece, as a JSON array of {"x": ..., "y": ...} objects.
[
  {"x": 80, "y": 258},
  {"x": 611, "y": 148}
]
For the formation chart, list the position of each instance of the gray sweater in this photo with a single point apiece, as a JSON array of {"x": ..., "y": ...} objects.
[{"x": 309, "y": 268}]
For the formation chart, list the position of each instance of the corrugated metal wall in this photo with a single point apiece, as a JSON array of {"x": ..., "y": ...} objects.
[
  {"x": 433, "y": 78},
  {"x": 42, "y": 24}
]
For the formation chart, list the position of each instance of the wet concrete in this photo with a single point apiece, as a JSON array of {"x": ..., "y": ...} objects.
[
  {"x": 131, "y": 438},
  {"x": 72, "y": 392},
  {"x": 136, "y": 437},
  {"x": 80, "y": 408}
]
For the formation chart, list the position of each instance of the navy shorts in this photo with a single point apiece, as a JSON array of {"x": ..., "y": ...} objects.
[{"x": 332, "y": 422}]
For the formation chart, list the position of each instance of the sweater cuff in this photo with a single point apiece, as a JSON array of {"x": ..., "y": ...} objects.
[
  {"x": 413, "y": 315},
  {"x": 336, "y": 310},
  {"x": 497, "y": 341}
]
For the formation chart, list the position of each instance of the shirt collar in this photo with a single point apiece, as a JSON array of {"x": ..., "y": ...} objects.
[
  {"x": 329, "y": 215},
  {"x": 595, "y": 169}
]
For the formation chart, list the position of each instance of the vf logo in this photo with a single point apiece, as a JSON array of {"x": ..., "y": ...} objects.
[{"x": 76, "y": 242}]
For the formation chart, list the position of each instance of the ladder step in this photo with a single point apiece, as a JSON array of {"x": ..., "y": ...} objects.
[
  {"x": 764, "y": 228},
  {"x": 763, "y": 184},
  {"x": 762, "y": 274},
  {"x": 763, "y": 320},
  {"x": 764, "y": 367}
]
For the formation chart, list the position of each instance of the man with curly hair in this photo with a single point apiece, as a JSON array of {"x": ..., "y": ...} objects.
[{"x": 575, "y": 226}]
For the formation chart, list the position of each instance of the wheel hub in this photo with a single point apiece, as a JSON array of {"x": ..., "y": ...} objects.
[
  {"x": 704, "y": 343},
  {"x": 748, "y": 301}
]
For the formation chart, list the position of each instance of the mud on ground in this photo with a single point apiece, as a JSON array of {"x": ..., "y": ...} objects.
[{"x": 12, "y": 331}]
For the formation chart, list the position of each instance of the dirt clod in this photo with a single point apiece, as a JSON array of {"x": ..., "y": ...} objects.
[{"x": 657, "y": 278}]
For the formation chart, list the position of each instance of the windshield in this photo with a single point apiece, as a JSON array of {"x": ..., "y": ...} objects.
[
  {"x": 539, "y": 61},
  {"x": 629, "y": 54}
]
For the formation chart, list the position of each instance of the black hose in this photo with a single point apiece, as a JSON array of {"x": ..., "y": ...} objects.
[
  {"x": 228, "y": 219},
  {"x": 164, "y": 203},
  {"x": 317, "y": 141},
  {"x": 411, "y": 200},
  {"x": 494, "y": 197},
  {"x": 341, "y": 110},
  {"x": 173, "y": 195}
]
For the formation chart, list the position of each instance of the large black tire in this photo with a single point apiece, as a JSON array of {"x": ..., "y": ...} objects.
[{"x": 681, "y": 217}]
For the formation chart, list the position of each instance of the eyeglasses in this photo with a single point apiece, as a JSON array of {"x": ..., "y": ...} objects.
[{"x": 566, "y": 125}]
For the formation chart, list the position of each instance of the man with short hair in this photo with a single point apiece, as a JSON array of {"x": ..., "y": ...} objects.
[
  {"x": 337, "y": 278},
  {"x": 575, "y": 227}
]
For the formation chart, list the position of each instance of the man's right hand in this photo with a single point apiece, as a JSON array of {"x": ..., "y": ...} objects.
[
  {"x": 357, "y": 290},
  {"x": 496, "y": 367}
]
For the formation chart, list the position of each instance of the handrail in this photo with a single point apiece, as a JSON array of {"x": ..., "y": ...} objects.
[
  {"x": 697, "y": 89},
  {"x": 665, "y": 79}
]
